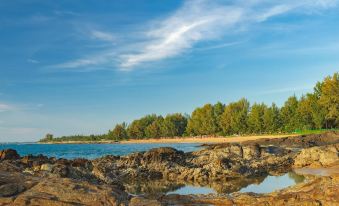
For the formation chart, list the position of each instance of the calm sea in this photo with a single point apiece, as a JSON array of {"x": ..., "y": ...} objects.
[{"x": 89, "y": 151}]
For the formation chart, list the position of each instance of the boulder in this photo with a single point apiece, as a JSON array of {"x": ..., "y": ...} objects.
[
  {"x": 251, "y": 151},
  {"x": 163, "y": 154},
  {"x": 323, "y": 156},
  {"x": 9, "y": 154},
  {"x": 10, "y": 189}
]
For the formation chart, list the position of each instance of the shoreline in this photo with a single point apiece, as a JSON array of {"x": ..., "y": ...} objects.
[{"x": 198, "y": 139}]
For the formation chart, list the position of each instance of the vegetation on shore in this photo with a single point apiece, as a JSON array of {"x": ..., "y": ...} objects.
[{"x": 312, "y": 113}]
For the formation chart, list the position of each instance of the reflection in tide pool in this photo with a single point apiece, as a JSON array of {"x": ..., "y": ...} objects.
[
  {"x": 192, "y": 190},
  {"x": 272, "y": 183},
  {"x": 266, "y": 185}
]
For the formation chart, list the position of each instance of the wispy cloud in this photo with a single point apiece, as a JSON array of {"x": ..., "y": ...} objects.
[
  {"x": 201, "y": 20},
  {"x": 104, "y": 36},
  {"x": 219, "y": 46},
  {"x": 5, "y": 107},
  {"x": 33, "y": 61},
  {"x": 99, "y": 59},
  {"x": 195, "y": 21},
  {"x": 287, "y": 90}
]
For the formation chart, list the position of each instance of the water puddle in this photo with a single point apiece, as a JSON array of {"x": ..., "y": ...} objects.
[
  {"x": 258, "y": 185},
  {"x": 318, "y": 171},
  {"x": 273, "y": 183},
  {"x": 192, "y": 190}
]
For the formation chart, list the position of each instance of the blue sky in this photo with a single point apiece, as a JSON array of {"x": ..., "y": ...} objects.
[{"x": 80, "y": 66}]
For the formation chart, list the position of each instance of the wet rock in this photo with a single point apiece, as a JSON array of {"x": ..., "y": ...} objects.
[
  {"x": 10, "y": 189},
  {"x": 140, "y": 201},
  {"x": 302, "y": 141},
  {"x": 46, "y": 167},
  {"x": 9, "y": 154},
  {"x": 318, "y": 191},
  {"x": 318, "y": 156},
  {"x": 60, "y": 170},
  {"x": 251, "y": 151},
  {"x": 35, "y": 161},
  {"x": 163, "y": 154}
]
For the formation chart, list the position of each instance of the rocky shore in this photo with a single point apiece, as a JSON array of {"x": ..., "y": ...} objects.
[{"x": 227, "y": 167}]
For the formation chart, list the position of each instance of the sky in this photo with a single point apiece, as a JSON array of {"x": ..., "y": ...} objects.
[{"x": 81, "y": 66}]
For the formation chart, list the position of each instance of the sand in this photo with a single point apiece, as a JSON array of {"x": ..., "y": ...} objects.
[{"x": 202, "y": 139}]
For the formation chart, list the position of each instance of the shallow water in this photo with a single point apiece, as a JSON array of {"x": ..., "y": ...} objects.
[
  {"x": 258, "y": 185},
  {"x": 90, "y": 151},
  {"x": 273, "y": 183},
  {"x": 189, "y": 190}
]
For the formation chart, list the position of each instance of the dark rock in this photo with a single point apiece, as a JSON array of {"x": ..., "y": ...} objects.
[
  {"x": 10, "y": 189},
  {"x": 163, "y": 154},
  {"x": 9, "y": 154}
]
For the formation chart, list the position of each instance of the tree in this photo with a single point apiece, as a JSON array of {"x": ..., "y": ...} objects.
[
  {"x": 255, "y": 119},
  {"x": 310, "y": 114},
  {"x": 289, "y": 114},
  {"x": 271, "y": 119},
  {"x": 234, "y": 118},
  {"x": 138, "y": 127},
  {"x": 329, "y": 100},
  {"x": 154, "y": 130},
  {"x": 203, "y": 121},
  {"x": 48, "y": 138},
  {"x": 118, "y": 133},
  {"x": 174, "y": 125},
  {"x": 218, "y": 109}
]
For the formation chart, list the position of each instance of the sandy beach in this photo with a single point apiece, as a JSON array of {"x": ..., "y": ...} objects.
[
  {"x": 178, "y": 140},
  {"x": 203, "y": 139}
]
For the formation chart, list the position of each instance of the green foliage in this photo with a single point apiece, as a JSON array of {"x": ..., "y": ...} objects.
[
  {"x": 289, "y": 114},
  {"x": 234, "y": 118},
  {"x": 118, "y": 133},
  {"x": 155, "y": 129},
  {"x": 272, "y": 120},
  {"x": 255, "y": 119},
  {"x": 329, "y": 100},
  {"x": 311, "y": 113},
  {"x": 174, "y": 125},
  {"x": 48, "y": 138},
  {"x": 203, "y": 121},
  {"x": 78, "y": 138},
  {"x": 138, "y": 127}
]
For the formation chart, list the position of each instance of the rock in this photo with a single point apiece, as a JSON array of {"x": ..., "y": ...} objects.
[
  {"x": 302, "y": 141},
  {"x": 9, "y": 154},
  {"x": 59, "y": 191},
  {"x": 35, "y": 161},
  {"x": 163, "y": 154},
  {"x": 317, "y": 156},
  {"x": 251, "y": 151},
  {"x": 10, "y": 189},
  {"x": 140, "y": 201},
  {"x": 318, "y": 191},
  {"x": 46, "y": 167}
]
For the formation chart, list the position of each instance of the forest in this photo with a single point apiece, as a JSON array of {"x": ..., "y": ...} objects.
[{"x": 312, "y": 111}]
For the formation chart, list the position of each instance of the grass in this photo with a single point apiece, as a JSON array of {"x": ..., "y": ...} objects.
[{"x": 317, "y": 131}]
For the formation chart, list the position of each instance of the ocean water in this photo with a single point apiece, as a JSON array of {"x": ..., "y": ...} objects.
[{"x": 90, "y": 151}]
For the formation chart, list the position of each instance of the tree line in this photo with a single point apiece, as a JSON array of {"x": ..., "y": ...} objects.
[{"x": 316, "y": 110}]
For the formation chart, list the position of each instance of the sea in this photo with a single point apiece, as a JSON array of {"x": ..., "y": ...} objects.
[{"x": 91, "y": 151}]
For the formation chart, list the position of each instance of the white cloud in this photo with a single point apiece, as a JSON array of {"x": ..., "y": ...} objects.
[
  {"x": 86, "y": 61},
  {"x": 33, "y": 61},
  {"x": 287, "y": 90},
  {"x": 5, "y": 107},
  {"x": 195, "y": 21},
  {"x": 201, "y": 20},
  {"x": 103, "y": 36}
]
